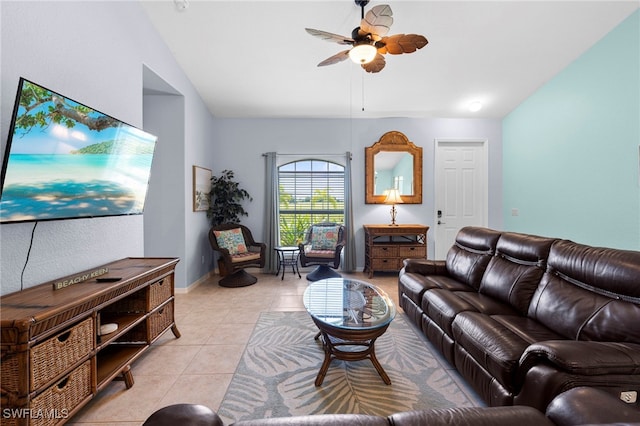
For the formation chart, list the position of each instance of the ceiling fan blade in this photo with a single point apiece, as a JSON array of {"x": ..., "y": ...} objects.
[
  {"x": 338, "y": 57},
  {"x": 376, "y": 65},
  {"x": 402, "y": 43},
  {"x": 377, "y": 22},
  {"x": 336, "y": 38}
]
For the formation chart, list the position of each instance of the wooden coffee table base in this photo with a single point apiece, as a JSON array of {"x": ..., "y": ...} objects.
[{"x": 334, "y": 338}]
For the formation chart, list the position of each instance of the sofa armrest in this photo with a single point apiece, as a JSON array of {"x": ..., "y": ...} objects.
[
  {"x": 477, "y": 416},
  {"x": 425, "y": 266},
  {"x": 585, "y": 358},
  {"x": 586, "y": 405},
  {"x": 184, "y": 414}
]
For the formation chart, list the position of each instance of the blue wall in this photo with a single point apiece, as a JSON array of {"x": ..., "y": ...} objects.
[
  {"x": 571, "y": 150},
  {"x": 252, "y": 137}
]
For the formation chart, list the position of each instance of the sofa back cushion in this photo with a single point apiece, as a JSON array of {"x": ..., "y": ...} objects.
[
  {"x": 468, "y": 258},
  {"x": 514, "y": 273},
  {"x": 590, "y": 293}
]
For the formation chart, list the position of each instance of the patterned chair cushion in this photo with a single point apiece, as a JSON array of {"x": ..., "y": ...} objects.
[
  {"x": 232, "y": 240},
  {"x": 324, "y": 237},
  {"x": 329, "y": 254},
  {"x": 243, "y": 257}
]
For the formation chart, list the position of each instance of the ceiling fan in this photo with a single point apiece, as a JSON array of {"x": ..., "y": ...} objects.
[{"x": 369, "y": 40}]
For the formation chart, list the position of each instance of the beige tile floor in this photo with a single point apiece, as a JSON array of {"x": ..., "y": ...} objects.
[{"x": 215, "y": 324}]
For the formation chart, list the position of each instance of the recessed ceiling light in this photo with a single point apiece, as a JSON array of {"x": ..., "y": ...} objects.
[{"x": 475, "y": 106}]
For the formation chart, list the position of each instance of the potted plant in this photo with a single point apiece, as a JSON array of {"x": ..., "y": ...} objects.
[
  {"x": 225, "y": 199},
  {"x": 225, "y": 203}
]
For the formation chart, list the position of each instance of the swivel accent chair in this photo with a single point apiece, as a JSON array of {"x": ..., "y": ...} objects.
[
  {"x": 238, "y": 250},
  {"x": 322, "y": 246}
]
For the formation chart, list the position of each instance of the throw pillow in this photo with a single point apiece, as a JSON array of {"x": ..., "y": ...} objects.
[
  {"x": 324, "y": 237},
  {"x": 232, "y": 240}
]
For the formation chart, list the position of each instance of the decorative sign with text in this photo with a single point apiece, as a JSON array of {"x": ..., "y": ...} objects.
[{"x": 80, "y": 278}]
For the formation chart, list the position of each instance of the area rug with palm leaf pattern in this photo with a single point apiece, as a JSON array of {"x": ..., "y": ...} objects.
[{"x": 275, "y": 377}]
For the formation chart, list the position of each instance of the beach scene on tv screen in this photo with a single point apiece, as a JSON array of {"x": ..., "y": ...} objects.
[{"x": 67, "y": 160}]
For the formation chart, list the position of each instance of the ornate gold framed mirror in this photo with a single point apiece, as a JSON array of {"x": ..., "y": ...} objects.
[{"x": 393, "y": 162}]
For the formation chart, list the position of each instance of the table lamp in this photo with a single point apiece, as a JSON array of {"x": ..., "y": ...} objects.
[{"x": 393, "y": 198}]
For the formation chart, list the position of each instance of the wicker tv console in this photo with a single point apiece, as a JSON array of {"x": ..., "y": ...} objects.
[{"x": 53, "y": 358}]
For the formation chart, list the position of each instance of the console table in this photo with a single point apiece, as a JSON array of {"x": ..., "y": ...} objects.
[
  {"x": 54, "y": 358},
  {"x": 386, "y": 246}
]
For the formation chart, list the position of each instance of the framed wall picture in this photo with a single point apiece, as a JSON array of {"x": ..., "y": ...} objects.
[{"x": 201, "y": 188}]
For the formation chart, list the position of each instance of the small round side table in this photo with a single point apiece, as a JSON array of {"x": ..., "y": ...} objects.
[{"x": 288, "y": 256}]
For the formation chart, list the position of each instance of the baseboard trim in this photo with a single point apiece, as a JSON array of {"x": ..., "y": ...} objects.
[{"x": 196, "y": 283}]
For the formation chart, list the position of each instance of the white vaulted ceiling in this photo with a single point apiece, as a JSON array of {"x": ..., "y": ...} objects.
[{"x": 254, "y": 58}]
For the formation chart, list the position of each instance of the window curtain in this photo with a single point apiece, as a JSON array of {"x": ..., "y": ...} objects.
[
  {"x": 349, "y": 258},
  {"x": 271, "y": 211}
]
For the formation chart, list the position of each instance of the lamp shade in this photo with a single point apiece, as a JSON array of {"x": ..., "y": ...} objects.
[
  {"x": 363, "y": 53},
  {"x": 393, "y": 197}
]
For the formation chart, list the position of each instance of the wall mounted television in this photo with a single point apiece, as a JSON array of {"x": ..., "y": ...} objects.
[{"x": 65, "y": 160}]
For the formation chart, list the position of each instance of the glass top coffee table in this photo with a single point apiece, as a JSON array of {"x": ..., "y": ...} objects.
[{"x": 350, "y": 315}]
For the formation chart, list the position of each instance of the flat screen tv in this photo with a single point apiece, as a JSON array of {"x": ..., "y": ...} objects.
[{"x": 65, "y": 160}]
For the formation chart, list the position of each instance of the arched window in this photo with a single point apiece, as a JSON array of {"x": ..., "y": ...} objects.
[{"x": 310, "y": 191}]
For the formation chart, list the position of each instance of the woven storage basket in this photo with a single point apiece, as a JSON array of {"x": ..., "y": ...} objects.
[
  {"x": 60, "y": 399},
  {"x": 161, "y": 319},
  {"x": 9, "y": 371},
  {"x": 384, "y": 251},
  {"x": 385, "y": 264},
  {"x": 159, "y": 292},
  {"x": 413, "y": 252},
  {"x": 55, "y": 355},
  {"x": 11, "y": 421}
]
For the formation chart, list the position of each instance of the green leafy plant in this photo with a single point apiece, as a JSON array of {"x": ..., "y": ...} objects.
[
  {"x": 292, "y": 229},
  {"x": 42, "y": 107},
  {"x": 225, "y": 199}
]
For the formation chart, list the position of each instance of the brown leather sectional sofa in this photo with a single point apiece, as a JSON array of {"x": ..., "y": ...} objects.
[
  {"x": 524, "y": 318},
  {"x": 578, "y": 406}
]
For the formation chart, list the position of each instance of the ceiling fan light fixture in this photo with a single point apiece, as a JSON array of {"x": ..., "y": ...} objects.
[
  {"x": 370, "y": 41},
  {"x": 363, "y": 53}
]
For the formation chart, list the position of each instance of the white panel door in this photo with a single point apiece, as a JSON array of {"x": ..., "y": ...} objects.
[{"x": 461, "y": 195}]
